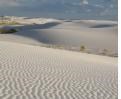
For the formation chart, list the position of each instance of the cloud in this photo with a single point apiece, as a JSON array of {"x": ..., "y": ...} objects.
[
  {"x": 9, "y": 3},
  {"x": 29, "y": 2},
  {"x": 84, "y": 2},
  {"x": 16, "y": 2}
]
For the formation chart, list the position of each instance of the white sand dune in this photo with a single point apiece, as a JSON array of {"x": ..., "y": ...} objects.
[
  {"x": 33, "y": 72},
  {"x": 95, "y": 35}
]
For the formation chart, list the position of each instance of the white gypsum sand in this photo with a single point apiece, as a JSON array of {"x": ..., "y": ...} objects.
[
  {"x": 96, "y": 36},
  {"x": 33, "y": 72},
  {"x": 36, "y": 72}
]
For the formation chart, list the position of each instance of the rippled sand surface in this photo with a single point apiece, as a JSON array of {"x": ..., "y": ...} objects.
[{"x": 33, "y": 72}]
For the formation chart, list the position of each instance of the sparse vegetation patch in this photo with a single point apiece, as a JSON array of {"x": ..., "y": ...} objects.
[
  {"x": 82, "y": 48},
  {"x": 7, "y": 31},
  {"x": 8, "y": 23}
]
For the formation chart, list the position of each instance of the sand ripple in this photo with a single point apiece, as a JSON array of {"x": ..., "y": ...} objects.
[{"x": 29, "y": 72}]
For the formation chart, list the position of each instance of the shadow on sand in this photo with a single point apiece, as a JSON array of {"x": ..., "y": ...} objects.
[
  {"x": 103, "y": 26},
  {"x": 37, "y": 26},
  {"x": 30, "y": 31}
]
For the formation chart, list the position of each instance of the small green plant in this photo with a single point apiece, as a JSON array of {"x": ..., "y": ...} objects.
[
  {"x": 8, "y": 23},
  {"x": 82, "y": 48},
  {"x": 6, "y": 31},
  {"x": 105, "y": 52}
]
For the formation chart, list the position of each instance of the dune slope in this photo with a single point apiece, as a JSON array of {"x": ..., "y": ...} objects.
[
  {"x": 95, "y": 35},
  {"x": 32, "y": 72}
]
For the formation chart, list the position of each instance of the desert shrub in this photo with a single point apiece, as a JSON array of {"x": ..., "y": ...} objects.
[
  {"x": 5, "y": 31},
  {"x": 82, "y": 48},
  {"x": 105, "y": 52}
]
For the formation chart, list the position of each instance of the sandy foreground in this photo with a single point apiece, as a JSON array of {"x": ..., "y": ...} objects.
[
  {"x": 31, "y": 70},
  {"x": 34, "y": 72}
]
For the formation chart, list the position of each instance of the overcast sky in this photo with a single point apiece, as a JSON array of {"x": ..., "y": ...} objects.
[{"x": 84, "y": 9}]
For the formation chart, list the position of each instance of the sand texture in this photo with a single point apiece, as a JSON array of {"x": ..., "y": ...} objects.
[
  {"x": 33, "y": 72},
  {"x": 96, "y": 36},
  {"x": 32, "y": 65}
]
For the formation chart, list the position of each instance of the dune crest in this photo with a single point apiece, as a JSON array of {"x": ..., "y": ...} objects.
[{"x": 98, "y": 37}]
